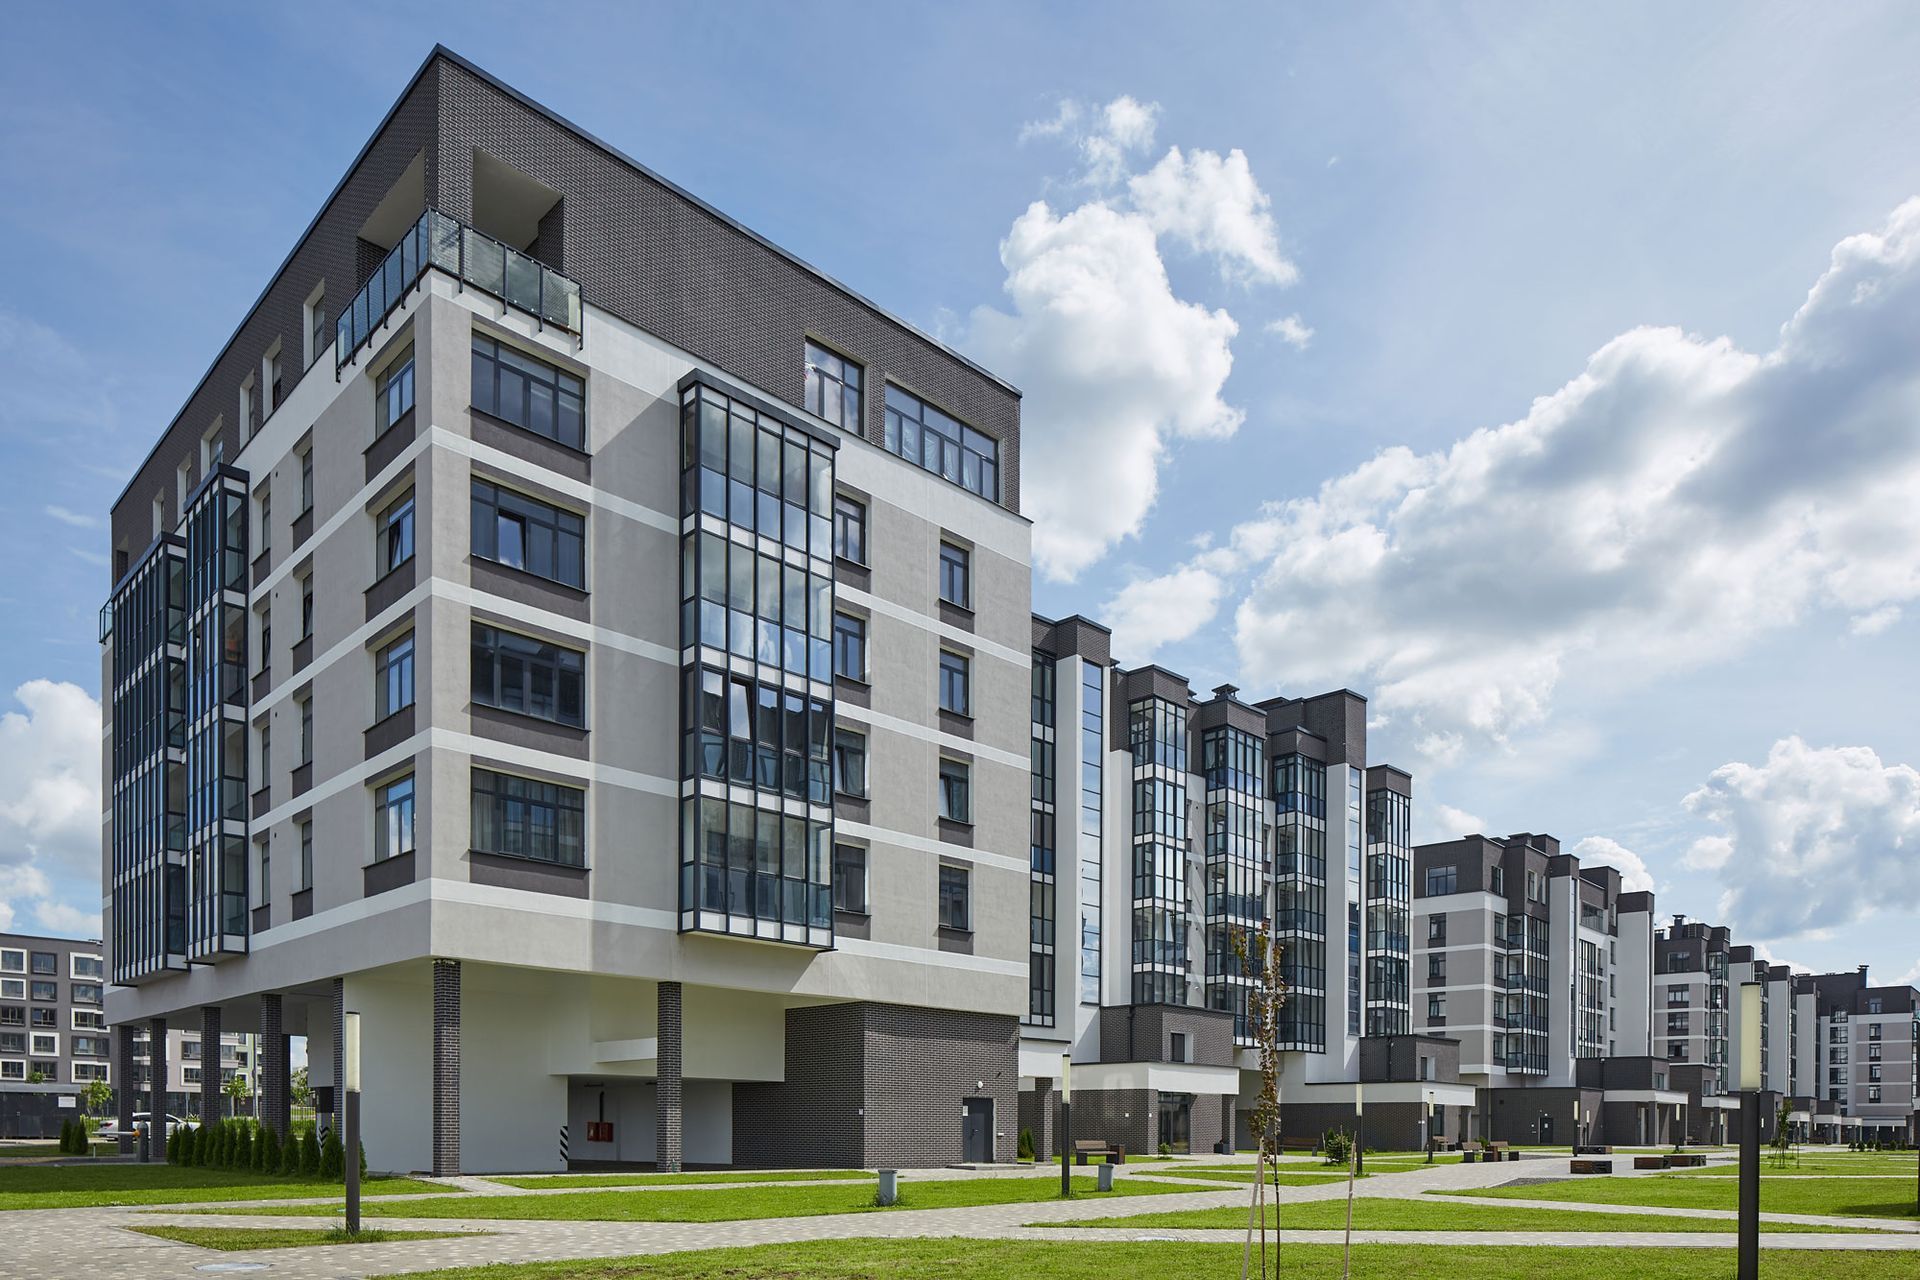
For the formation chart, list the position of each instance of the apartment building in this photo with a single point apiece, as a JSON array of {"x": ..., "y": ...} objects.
[
  {"x": 1166, "y": 824},
  {"x": 585, "y": 641},
  {"x": 1856, "y": 1056},
  {"x": 53, "y": 1026},
  {"x": 1541, "y": 969}
]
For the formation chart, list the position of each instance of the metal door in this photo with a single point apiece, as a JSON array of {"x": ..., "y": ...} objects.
[{"x": 976, "y": 1131}]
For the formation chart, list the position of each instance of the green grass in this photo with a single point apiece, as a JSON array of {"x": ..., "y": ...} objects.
[
  {"x": 1426, "y": 1215},
  {"x": 46, "y": 1150},
  {"x": 1813, "y": 1166},
  {"x": 682, "y": 1179},
  {"x": 746, "y": 1202},
  {"x": 231, "y": 1239},
  {"x": 949, "y": 1259},
  {"x": 1845, "y": 1197},
  {"x": 1288, "y": 1177},
  {"x": 72, "y": 1186}
]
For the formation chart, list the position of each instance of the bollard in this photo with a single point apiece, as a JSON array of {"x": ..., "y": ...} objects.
[
  {"x": 1106, "y": 1177},
  {"x": 889, "y": 1187}
]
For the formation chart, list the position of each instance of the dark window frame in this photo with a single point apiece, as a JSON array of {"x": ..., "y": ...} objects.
[
  {"x": 956, "y": 575},
  {"x": 850, "y": 878},
  {"x": 956, "y": 898},
  {"x": 547, "y": 820},
  {"x": 393, "y": 676},
  {"x": 491, "y": 649},
  {"x": 507, "y": 384},
  {"x": 552, "y": 541}
]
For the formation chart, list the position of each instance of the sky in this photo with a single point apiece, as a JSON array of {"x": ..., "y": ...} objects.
[{"x": 1548, "y": 374}]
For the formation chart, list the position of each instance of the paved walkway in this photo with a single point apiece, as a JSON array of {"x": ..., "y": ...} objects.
[{"x": 74, "y": 1242}]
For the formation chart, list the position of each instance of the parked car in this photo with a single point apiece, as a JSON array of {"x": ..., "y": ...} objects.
[{"x": 110, "y": 1128}]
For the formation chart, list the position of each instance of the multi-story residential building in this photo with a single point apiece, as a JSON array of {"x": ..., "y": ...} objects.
[
  {"x": 53, "y": 1025},
  {"x": 1538, "y": 967},
  {"x": 1858, "y": 1056},
  {"x": 563, "y": 624}
]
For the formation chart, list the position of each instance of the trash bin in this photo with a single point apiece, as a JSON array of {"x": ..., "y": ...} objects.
[
  {"x": 889, "y": 1186},
  {"x": 1106, "y": 1177}
]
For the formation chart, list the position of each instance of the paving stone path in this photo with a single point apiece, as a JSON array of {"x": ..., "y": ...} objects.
[{"x": 90, "y": 1243}]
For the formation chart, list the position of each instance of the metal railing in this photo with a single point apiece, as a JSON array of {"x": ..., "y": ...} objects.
[{"x": 436, "y": 240}]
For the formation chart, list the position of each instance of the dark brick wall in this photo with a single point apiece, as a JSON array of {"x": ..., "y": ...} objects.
[
  {"x": 276, "y": 1086},
  {"x": 669, "y": 1116},
  {"x": 123, "y": 1086},
  {"x": 875, "y": 1085},
  {"x": 639, "y": 248},
  {"x": 1143, "y": 1033},
  {"x": 1039, "y": 1110},
  {"x": 338, "y": 1013},
  {"x": 209, "y": 1061},
  {"x": 446, "y": 1067},
  {"x": 1124, "y": 1117},
  {"x": 153, "y": 1136}
]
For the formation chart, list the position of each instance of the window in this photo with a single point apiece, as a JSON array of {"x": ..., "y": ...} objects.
[
  {"x": 527, "y": 534},
  {"x": 43, "y": 1017},
  {"x": 13, "y": 989},
  {"x": 1437, "y": 929},
  {"x": 316, "y": 327},
  {"x": 13, "y": 961},
  {"x": 306, "y": 730},
  {"x": 930, "y": 439},
  {"x": 249, "y": 409},
  {"x": 849, "y": 878},
  {"x": 1437, "y": 967},
  {"x": 1436, "y": 1008},
  {"x": 1499, "y": 881},
  {"x": 1176, "y": 1046},
  {"x": 956, "y": 694},
  {"x": 1442, "y": 880},
  {"x": 88, "y": 1020},
  {"x": 266, "y": 524},
  {"x": 306, "y": 857},
  {"x": 956, "y": 585},
  {"x": 849, "y": 529},
  {"x": 393, "y": 819},
  {"x": 44, "y": 991},
  {"x": 956, "y": 909},
  {"x": 45, "y": 1042},
  {"x": 88, "y": 1072},
  {"x": 849, "y": 646},
  {"x": 956, "y": 800},
  {"x": 849, "y": 762},
  {"x": 79, "y": 966},
  {"x": 84, "y": 993},
  {"x": 833, "y": 388},
  {"x": 529, "y": 393},
  {"x": 306, "y": 607},
  {"x": 270, "y": 379},
  {"x": 13, "y": 1015},
  {"x": 533, "y": 677},
  {"x": 393, "y": 677},
  {"x": 46, "y": 962},
  {"x": 13, "y": 1042},
  {"x": 396, "y": 535},
  {"x": 393, "y": 393},
  {"x": 528, "y": 818},
  {"x": 265, "y": 876},
  {"x": 1873, "y": 1093},
  {"x": 13, "y": 1069},
  {"x": 306, "y": 480}
]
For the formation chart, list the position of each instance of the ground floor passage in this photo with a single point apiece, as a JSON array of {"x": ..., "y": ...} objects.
[{"x": 475, "y": 1068}]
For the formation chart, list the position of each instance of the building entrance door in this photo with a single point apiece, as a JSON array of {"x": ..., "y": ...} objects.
[
  {"x": 976, "y": 1131},
  {"x": 1546, "y": 1129},
  {"x": 1176, "y": 1122}
]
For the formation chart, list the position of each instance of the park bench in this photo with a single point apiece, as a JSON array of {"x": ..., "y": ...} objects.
[
  {"x": 1084, "y": 1147},
  {"x": 1590, "y": 1166},
  {"x": 1652, "y": 1162},
  {"x": 1300, "y": 1144},
  {"x": 1593, "y": 1151},
  {"x": 1686, "y": 1162}
]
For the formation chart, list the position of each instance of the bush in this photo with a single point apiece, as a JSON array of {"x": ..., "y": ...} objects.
[
  {"x": 1025, "y": 1150},
  {"x": 290, "y": 1156},
  {"x": 266, "y": 1152},
  {"x": 1337, "y": 1145},
  {"x": 242, "y": 1147},
  {"x": 1166, "y": 1149},
  {"x": 333, "y": 1159},
  {"x": 187, "y": 1135},
  {"x": 309, "y": 1155},
  {"x": 363, "y": 1162},
  {"x": 173, "y": 1145}
]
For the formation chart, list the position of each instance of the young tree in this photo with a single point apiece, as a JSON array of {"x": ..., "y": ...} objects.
[
  {"x": 1259, "y": 960},
  {"x": 237, "y": 1091},
  {"x": 300, "y": 1090}
]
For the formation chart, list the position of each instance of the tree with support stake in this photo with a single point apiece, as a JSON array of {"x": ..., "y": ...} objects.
[{"x": 1259, "y": 960}]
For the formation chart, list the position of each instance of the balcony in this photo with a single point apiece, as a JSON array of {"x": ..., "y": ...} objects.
[{"x": 523, "y": 283}]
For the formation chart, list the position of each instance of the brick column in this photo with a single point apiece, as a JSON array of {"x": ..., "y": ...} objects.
[
  {"x": 337, "y": 1115},
  {"x": 209, "y": 1062},
  {"x": 446, "y": 1067},
  {"x": 156, "y": 1131},
  {"x": 275, "y": 1107},
  {"x": 1048, "y": 1107},
  {"x": 125, "y": 1086},
  {"x": 668, "y": 1119},
  {"x": 1227, "y": 1120}
]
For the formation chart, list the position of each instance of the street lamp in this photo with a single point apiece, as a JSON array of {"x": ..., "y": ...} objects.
[
  {"x": 1066, "y": 1123},
  {"x": 1748, "y": 1263},
  {"x": 350, "y": 1068},
  {"x": 1429, "y": 1126},
  {"x": 1359, "y": 1130}
]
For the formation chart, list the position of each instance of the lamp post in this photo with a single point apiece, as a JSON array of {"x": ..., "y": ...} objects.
[
  {"x": 1066, "y": 1124},
  {"x": 1359, "y": 1130},
  {"x": 1428, "y": 1134},
  {"x": 350, "y": 1068},
  {"x": 1748, "y": 1262},
  {"x": 1578, "y": 1140}
]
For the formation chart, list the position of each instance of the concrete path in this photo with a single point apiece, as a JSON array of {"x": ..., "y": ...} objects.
[{"x": 71, "y": 1242}]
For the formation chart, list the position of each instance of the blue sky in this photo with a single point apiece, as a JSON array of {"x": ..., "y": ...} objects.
[{"x": 1471, "y": 357}]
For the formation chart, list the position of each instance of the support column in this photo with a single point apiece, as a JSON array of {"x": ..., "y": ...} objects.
[
  {"x": 446, "y": 1068},
  {"x": 667, "y": 1126},
  {"x": 154, "y": 1139},
  {"x": 126, "y": 1084},
  {"x": 209, "y": 1063},
  {"x": 1043, "y": 1129},
  {"x": 275, "y": 1086},
  {"x": 336, "y": 1114},
  {"x": 1228, "y": 1118}
]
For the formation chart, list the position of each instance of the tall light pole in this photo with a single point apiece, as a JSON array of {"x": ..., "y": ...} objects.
[
  {"x": 1359, "y": 1130},
  {"x": 1066, "y": 1124},
  {"x": 350, "y": 1068},
  {"x": 1748, "y": 1263},
  {"x": 1428, "y": 1132}
]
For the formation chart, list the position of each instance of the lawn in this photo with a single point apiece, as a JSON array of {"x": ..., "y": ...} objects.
[
  {"x": 948, "y": 1259},
  {"x": 1814, "y": 1166},
  {"x": 71, "y": 1186},
  {"x": 1425, "y": 1215},
  {"x": 231, "y": 1239},
  {"x": 747, "y": 1202},
  {"x": 1848, "y": 1197},
  {"x": 47, "y": 1150},
  {"x": 681, "y": 1179},
  {"x": 1287, "y": 1177}
]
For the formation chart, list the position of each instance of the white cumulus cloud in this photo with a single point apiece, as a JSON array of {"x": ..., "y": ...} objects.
[
  {"x": 1212, "y": 205},
  {"x": 1291, "y": 330},
  {"x": 1634, "y": 875},
  {"x": 1150, "y": 613},
  {"x": 1812, "y": 838},
  {"x": 1436, "y": 822}
]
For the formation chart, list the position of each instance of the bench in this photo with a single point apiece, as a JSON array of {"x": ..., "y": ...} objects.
[
  {"x": 1300, "y": 1144},
  {"x": 1084, "y": 1147},
  {"x": 1590, "y": 1166},
  {"x": 1652, "y": 1162},
  {"x": 1593, "y": 1151},
  {"x": 1686, "y": 1162}
]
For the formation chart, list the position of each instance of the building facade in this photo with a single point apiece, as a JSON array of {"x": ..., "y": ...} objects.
[
  {"x": 566, "y": 626},
  {"x": 53, "y": 1024}
]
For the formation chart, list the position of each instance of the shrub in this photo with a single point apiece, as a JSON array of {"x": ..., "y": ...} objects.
[
  {"x": 266, "y": 1152},
  {"x": 242, "y": 1147},
  {"x": 363, "y": 1162},
  {"x": 333, "y": 1160},
  {"x": 1166, "y": 1149},
  {"x": 173, "y": 1146},
  {"x": 290, "y": 1156},
  {"x": 186, "y": 1135},
  {"x": 1337, "y": 1145},
  {"x": 1025, "y": 1151},
  {"x": 309, "y": 1155}
]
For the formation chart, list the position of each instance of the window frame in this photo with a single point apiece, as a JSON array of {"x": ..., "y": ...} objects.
[
  {"x": 393, "y": 816},
  {"x": 855, "y": 632},
  {"x": 954, "y": 875},
  {"x": 394, "y": 532},
  {"x": 849, "y": 516},
  {"x": 563, "y": 528},
  {"x": 844, "y": 898},
  {"x": 962, "y": 772},
  {"x": 955, "y": 680},
  {"x": 822, "y": 375},
  {"x": 384, "y": 669},
  {"x": 529, "y": 794},
  {"x": 530, "y": 664},
  {"x": 855, "y": 753},
  {"x": 393, "y": 384},
  {"x": 526, "y": 367},
  {"x": 960, "y": 567}
]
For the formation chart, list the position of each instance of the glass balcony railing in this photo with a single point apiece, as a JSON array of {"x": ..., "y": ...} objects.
[{"x": 436, "y": 240}]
